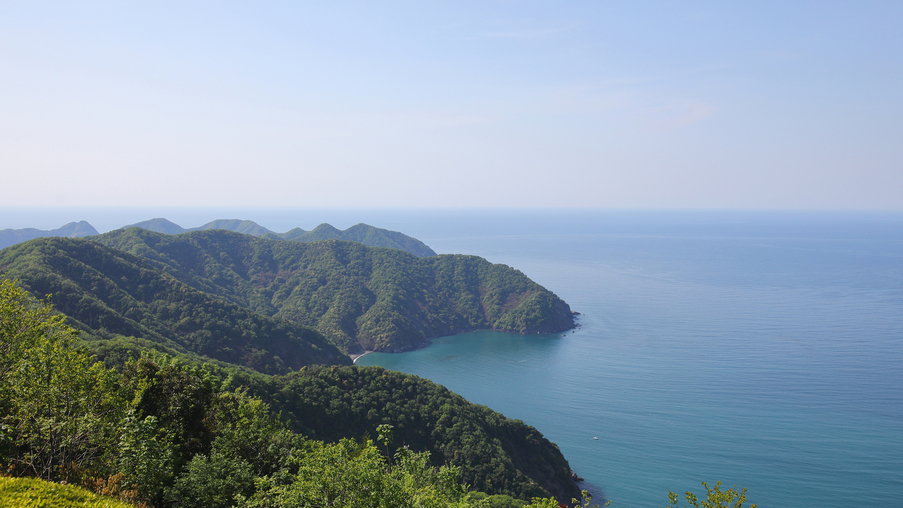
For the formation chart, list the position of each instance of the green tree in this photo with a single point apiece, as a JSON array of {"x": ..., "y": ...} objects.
[
  {"x": 246, "y": 429},
  {"x": 212, "y": 482},
  {"x": 61, "y": 409},
  {"x": 715, "y": 498},
  {"x": 145, "y": 457},
  {"x": 23, "y": 320},
  {"x": 356, "y": 475},
  {"x": 178, "y": 395}
]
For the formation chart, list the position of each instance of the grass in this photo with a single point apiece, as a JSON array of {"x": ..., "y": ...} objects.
[{"x": 35, "y": 493}]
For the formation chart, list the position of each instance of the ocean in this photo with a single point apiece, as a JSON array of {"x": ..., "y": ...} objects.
[
  {"x": 759, "y": 349},
  {"x": 762, "y": 349}
]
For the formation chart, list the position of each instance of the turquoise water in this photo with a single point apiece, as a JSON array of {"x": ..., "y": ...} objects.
[
  {"x": 763, "y": 350},
  {"x": 759, "y": 349}
]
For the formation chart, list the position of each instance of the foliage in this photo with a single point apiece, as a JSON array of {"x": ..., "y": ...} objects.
[
  {"x": 23, "y": 320},
  {"x": 548, "y": 502},
  {"x": 353, "y": 474},
  {"x": 168, "y": 430},
  {"x": 212, "y": 481},
  {"x": 110, "y": 294},
  {"x": 177, "y": 395},
  {"x": 246, "y": 429},
  {"x": 146, "y": 456},
  {"x": 715, "y": 498},
  {"x": 250, "y": 301},
  {"x": 496, "y": 454},
  {"x": 72, "y": 230},
  {"x": 362, "y": 233},
  {"x": 61, "y": 409},
  {"x": 359, "y": 297},
  {"x": 367, "y": 235},
  {"x": 484, "y": 500},
  {"x": 35, "y": 493}
]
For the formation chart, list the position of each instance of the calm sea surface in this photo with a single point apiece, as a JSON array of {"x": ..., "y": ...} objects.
[
  {"x": 763, "y": 350},
  {"x": 759, "y": 349}
]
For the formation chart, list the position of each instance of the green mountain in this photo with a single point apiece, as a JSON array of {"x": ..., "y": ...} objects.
[
  {"x": 359, "y": 297},
  {"x": 246, "y": 227},
  {"x": 198, "y": 295},
  {"x": 160, "y": 225},
  {"x": 109, "y": 294},
  {"x": 361, "y": 233},
  {"x": 497, "y": 455},
  {"x": 72, "y": 230}
]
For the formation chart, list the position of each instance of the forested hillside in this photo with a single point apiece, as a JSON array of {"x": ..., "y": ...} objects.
[
  {"x": 249, "y": 305},
  {"x": 360, "y": 298},
  {"x": 110, "y": 294},
  {"x": 165, "y": 431},
  {"x": 496, "y": 454},
  {"x": 361, "y": 233}
]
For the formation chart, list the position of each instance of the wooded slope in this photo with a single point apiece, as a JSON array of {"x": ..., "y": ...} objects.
[
  {"x": 108, "y": 293},
  {"x": 361, "y": 298}
]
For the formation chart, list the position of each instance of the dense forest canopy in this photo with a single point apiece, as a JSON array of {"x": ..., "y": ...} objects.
[
  {"x": 360, "y": 298},
  {"x": 110, "y": 294},
  {"x": 189, "y": 290},
  {"x": 193, "y": 327},
  {"x": 166, "y": 431}
]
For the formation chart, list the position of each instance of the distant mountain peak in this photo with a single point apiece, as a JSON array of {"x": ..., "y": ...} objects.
[
  {"x": 71, "y": 230},
  {"x": 360, "y": 233},
  {"x": 159, "y": 225},
  {"x": 247, "y": 227}
]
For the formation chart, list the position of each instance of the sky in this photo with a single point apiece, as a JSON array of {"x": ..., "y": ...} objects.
[{"x": 674, "y": 105}]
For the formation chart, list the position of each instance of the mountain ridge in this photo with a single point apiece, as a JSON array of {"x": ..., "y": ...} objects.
[
  {"x": 362, "y": 233},
  {"x": 10, "y": 237},
  {"x": 126, "y": 302},
  {"x": 109, "y": 294},
  {"x": 360, "y": 297}
]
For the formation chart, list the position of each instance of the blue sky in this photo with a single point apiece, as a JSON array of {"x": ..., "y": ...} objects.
[{"x": 754, "y": 105}]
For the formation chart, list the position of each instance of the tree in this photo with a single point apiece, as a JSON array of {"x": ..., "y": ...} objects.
[
  {"x": 178, "y": 396},
  {"x": 212, "y": 482},
  {"x": 23, "y": 319},
  {"x": 61, "y": 409},
  {"x": 245, "y": 428},
  {"x": 356, "y": 475},
  {"x": 715, "y": 498},
  {"x": 145, "y": 457}
]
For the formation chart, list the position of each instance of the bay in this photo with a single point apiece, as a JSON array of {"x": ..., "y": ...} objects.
[{"x": 759, "y": 349}]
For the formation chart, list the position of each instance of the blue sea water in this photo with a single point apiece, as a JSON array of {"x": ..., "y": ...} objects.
[
  {"x": 760, "y": 349},
  {"x": 763, "y": 349}
]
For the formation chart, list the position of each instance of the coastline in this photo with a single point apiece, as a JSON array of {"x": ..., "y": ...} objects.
[
  {"x": 354, "y": 358},
  {"x": 426, "y": 342}
]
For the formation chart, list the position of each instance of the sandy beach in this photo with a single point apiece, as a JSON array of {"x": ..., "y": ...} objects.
[{"x": 355, "y": 357}]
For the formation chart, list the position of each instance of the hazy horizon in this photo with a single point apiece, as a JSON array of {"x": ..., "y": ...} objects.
[
  {"x": 417, "y": 220},
  {"x": 696, "y": 105}
]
